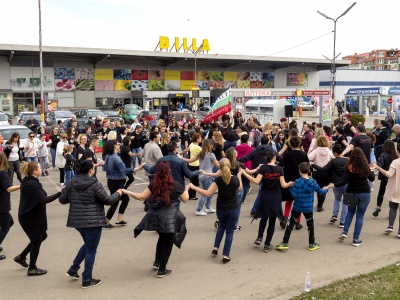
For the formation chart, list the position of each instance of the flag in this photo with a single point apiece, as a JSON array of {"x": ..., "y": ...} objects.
[{"x": 222, "y": 106}]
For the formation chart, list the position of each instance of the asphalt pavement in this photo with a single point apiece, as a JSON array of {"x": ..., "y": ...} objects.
[{"x": 124, "y": 264}]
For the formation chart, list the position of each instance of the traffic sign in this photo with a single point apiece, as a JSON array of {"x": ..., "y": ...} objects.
[{"x": 390, "y": 101}]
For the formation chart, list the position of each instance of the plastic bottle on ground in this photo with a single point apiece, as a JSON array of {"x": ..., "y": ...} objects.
[{"x": 307, "y": 282}]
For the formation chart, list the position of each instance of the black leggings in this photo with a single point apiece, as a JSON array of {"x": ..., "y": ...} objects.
[
  {"x": 270, "y": 230},
  {"x": 164, "y": 249},
  {"x": 113, "y": 186},
  {"x": 129, "y": 181},
  {"x": 382, "y": 188},
  {"x": 62, "y": 175},
  {"x": 293, "y": 220},
  {"x": 33, "y": 248},
  {"x": 194, "y": 180},
  {"x": 6, "y": 221}
]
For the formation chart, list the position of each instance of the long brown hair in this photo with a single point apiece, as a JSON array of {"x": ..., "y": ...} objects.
[
  {"x": 3, "y": 162},
  {"x": 206, "y": 147},
  {"x": 162, "y": 183},
  {"x": 358, "y": 164},
  {"x": 12, "y": 137}
]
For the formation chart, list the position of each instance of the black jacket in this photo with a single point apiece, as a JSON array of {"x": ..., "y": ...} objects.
[
  {"x": 87, "y": 198},
  {"x": 382, "y": 134},
  {"x": 32, "y": 125},
  {"x": 384, "y": 162},
  {"x": 166, "y": 219},
  {"x": 335, "y": 168},
  {"x": 257, "y": 156}
]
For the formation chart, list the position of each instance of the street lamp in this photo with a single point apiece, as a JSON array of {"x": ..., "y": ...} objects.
[
  {"x": 333, "y": 68},
  {"x": 41, "y": 65}
]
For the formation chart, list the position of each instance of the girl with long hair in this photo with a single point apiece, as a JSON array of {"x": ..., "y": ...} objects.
[
  {"x": 11, "y": 149},
  {"x": 207, "y": 162},
  {"x": 356, "y": 176},
  {"x": 164, "y": 194},
  {"x": 392, "y": 191},
  {"x": 270, "y": 205},
  {"x": 218, "y": 147},
  {"x": 388, "y": 155},
  {"x": 165, "y": 139},
  {"x": 227, "y": 206},
  {"x": 286, "y": 146},
  {"x": 321, "y": 155},
  {"x": 55, "y": 138},
  {"x": 317, "y": 133},
  {"x": 6, "y": 220},
  {"x": 80, "y": 152},
  {"x": 116, "y": 172},
  {"x": 32, "y": 216},
  {"x": 136, "y": 144},
  {"x": 280, "y": 140}
]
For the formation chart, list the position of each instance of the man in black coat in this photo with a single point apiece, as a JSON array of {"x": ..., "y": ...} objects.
[{"x": 32, "y": 124}]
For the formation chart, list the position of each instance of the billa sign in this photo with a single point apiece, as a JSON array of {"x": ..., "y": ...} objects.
[{"x": 164, "y": 44}]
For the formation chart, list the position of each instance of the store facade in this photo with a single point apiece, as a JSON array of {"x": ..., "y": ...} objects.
[{"x": 74, "y": 77}]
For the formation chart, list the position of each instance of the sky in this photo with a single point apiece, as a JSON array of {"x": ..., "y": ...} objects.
[{"x": 253, "y": 28}]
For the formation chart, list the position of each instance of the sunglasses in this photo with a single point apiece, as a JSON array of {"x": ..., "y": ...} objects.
[{"x": 31, "y": 136}]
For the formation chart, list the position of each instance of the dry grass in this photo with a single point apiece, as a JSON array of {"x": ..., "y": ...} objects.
[{"x": 381, "y": 284}]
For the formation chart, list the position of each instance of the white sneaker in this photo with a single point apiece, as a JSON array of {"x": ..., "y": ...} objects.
[
  {"x": 210, "y": 210},
  {"x": 201, "y": 213},
  {"x": 372, "y": 189},
  {"x": 62, "y": 184}
]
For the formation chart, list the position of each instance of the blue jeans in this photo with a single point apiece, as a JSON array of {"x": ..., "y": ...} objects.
[
  {"x": 239, "y": 196},
  {"x": 53, "y": 157},
  {"x": 246, "y": 187},
  {"x": 136, "y": 151},
  {"x": 227, "y": 220},
  {"x": 359, "y": 211},
  {"x": 29, "y": 159},
  {"x": 91, "y": 238},
  {"x": 257, "y": 199},
  {"x": 338, "y": 193},
  {"x": 205, "y": 184},
  {"x": 68, "y": 176}
]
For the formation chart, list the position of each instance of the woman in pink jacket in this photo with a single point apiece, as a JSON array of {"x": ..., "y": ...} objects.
[{"x": 321, "y": 156}]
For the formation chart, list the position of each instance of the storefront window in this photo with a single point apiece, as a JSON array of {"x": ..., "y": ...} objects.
[
  {"x": 372, "y": 103},
  {"x": 352, "y": 105},
  {"x": 384, "y": 104}
]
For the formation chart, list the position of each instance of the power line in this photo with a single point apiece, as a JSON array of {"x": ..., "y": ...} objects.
[{"x": 301, "y": 44}]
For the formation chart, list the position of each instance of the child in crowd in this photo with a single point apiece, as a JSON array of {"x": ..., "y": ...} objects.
[
  {"x": 69, "y": 163},
  {"x": 43, "y": 154},
  {"x": 303, "y": 194}
]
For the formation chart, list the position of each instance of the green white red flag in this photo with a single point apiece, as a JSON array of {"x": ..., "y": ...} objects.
[{"x": 222, "y": 106}]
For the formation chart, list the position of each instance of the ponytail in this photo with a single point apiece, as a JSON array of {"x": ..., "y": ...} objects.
[{"x": 225, "y": 168}]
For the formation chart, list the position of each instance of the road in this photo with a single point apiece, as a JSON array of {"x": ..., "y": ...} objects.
[{"x": 125, "y": 264}]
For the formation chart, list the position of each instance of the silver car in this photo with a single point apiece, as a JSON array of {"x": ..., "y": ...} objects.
[
  {"x": 204, "y": 111},
  {"x": 60, "y": 115},
  {"x": 7, "y": 130}
]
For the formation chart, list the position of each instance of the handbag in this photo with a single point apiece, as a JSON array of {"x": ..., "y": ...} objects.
[{"x": 350, "y": 199}]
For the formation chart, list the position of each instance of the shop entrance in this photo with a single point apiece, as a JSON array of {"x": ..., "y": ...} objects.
[
  {"x": 26, "y": 102},
  {"x": 176, "y": 101}
]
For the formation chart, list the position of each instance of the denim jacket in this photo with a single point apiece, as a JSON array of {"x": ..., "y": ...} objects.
[{"x": 115, "y": 168}]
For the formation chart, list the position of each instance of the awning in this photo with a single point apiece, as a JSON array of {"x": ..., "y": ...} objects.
[{"x": 364, "y": 91}]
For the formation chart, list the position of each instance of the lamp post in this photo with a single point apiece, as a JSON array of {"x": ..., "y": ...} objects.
[
  {"x": 333, "y": 68},
  {"x": 41, "y": 65}
]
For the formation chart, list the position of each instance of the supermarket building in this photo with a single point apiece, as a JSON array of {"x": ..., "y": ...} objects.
[{"x": 86, "y": 77}]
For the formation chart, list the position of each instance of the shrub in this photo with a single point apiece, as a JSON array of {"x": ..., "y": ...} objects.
[{"x": 354, "y": 119}]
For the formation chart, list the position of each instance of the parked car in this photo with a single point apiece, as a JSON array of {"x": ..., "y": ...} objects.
[
  {"x": 189, "y": 115},
  {"x": 150, "y": 115},
  {"x": 7, "y": 130},
  {"x": 204, "y": 111},
  {"x": 4, "y": 120},
  {"x": 85, "y": 113},
  {"x": 60, "y": 115},
  {"x": 25, "y": 115},
  {"x": 113, "y": 116},
  {"x": 304, "y": 105},
  {"x": 131, "y": 112}
]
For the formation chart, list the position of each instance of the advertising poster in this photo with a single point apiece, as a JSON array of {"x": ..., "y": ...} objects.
[
  {"x": 104, "y": 85},
  {"x": 203, "y": 82},
  {"x": 156, "y": 85},
  {"x": 297, "y": 79},
  {"x": 140, "y": 85},
  {"x": 64, "y": 79},
  {"x": 187, "y": 75},
  {"x": 122, "y": 85},
  {"x": 186, "y": 85},
  {"x": 327, "y": 109},
  {"x": 256, "y": 80},
  {"x": 268, "y": 80},
  {"x": 172, "y": 75},
  {"x": 84, "y": 79},
  {"x": 122, "y": 74},
  {"x": 230, "y": 76},
  {"x": 103, "y": 74},
  {"x": 140, "y": 75},
  {"x": 156, "y": 75},
  {"x": 173, "y": 85}
]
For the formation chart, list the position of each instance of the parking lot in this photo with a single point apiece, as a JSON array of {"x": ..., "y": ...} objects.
[{"x": 125, "y": 264}]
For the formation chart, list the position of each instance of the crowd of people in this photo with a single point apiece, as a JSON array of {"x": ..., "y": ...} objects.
[{"x": 288, "y": 162}]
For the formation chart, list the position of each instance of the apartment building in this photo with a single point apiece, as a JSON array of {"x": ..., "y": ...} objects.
[{"x": 375, "y": 60}]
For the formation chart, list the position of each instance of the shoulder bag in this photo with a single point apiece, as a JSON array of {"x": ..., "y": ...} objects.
[{"x": 350, "y": 199}]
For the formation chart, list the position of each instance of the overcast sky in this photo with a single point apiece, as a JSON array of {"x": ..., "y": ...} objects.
[{"x": 258, "y": 27}]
